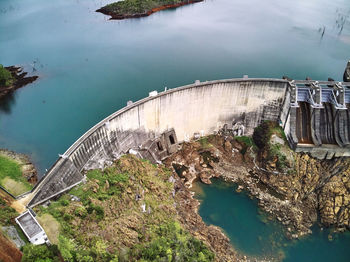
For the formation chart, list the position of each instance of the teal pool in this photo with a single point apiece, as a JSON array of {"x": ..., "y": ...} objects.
[{"x": 253, "y": 233}]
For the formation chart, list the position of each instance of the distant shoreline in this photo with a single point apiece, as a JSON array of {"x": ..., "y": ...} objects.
[{"x": 118, "y": 12}]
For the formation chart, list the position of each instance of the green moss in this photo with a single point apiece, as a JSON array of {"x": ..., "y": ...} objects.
[{"x": 6, "y": 79}]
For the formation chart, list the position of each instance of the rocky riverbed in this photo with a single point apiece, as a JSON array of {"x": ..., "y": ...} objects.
[{"x": 298, "y": 191}]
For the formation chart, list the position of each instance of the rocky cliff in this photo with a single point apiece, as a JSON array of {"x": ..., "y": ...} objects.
[{"x": 295, "y": 188}]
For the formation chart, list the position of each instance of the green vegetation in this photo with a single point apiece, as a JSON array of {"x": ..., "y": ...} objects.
[
  {"x": 11, "y": 177},
  {"x": 6, "y": 79},
  {"x": 125, "y": 213},
  {"x": 7, "y": 214},
  {"x": 272, "y": 152},
  {"x": 41, "y": 253},
  {"x": 172, "y": 243},
  {"x": 276, "y": 152},
  {"x": 130, "y": 7},
  {"x": 204, "y": 142},
  {"x": 247, "y": 143}
]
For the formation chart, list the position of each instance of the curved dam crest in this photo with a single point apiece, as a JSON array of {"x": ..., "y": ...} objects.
[{"x": 152, "y": 127}]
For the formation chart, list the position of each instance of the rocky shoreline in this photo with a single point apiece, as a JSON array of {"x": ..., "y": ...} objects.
[
  {"x": 315, "y": 192},
  {"x": 117, "y": 15},
  {"x": 21, "y": 79},
  {"x": 212, "y": 236}
]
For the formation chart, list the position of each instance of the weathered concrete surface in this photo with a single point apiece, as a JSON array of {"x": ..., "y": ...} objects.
[
  {"x": 12, "y": 233},
  {"x": 153, "y": 126}
]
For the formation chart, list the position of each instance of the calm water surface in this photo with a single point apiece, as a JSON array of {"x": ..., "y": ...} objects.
[
  {"x": 89, "y": 67},
  {"x": 251, "y": 232}
]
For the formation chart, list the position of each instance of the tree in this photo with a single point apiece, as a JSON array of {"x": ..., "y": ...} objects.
[
  {"x": 6, "y": 78},
  {"x": 39, "y": 253}
]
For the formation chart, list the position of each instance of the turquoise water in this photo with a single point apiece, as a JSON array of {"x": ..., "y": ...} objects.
[
  {"x": 251, "y": 232},
  {"x": 90, "y": 67}
]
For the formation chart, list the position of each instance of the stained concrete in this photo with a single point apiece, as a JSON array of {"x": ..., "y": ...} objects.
[{"x": 153, "y": 126}]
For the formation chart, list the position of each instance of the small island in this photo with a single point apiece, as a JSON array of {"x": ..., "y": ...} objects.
[
  {"x": 140, "y": 8},
  {"x": 12, "y": 78}
]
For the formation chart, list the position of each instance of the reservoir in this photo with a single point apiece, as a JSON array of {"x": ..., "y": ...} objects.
[
  {"x": 90, "y": 67},
  {"x": 252, "y": 232}
]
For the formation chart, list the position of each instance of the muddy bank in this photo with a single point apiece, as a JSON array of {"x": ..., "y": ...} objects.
[
  {"x": 20, "y": 79},
  {"x": 118, "y": 13},
  {"x": 298, "y": 191}
]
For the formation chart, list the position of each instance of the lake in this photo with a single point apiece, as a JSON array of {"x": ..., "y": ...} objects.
[{"x": 90, "y": 67}]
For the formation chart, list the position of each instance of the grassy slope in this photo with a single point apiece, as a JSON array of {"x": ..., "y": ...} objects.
[
  {"x": 11, "y": 176},
  {"x": 108, "y": 222}
]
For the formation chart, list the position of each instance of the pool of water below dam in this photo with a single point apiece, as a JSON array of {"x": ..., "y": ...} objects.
[{"x": 253, "y": 233}]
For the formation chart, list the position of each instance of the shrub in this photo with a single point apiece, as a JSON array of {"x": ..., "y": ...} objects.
[
  {"x": 33, "y": 253},
  {"x": 261, "y": 137},
  {"x": 67, "y": 217},
  {"x": 66, "y": 247},
  {"x": 81, "y": 212},
  {"x": 64, "y": 202},
  {"x": 6, "y": 79},
  {"x": 172, "y": 243},
  {"x": 7, "y": 214},
  {"x": 100, "y": 213}
]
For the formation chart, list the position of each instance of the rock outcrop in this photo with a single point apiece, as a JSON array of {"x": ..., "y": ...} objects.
[{"x": 294, "y": 188}]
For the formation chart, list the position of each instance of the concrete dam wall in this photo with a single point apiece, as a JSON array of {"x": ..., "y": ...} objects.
[
  {"x": 153, "y": 126},
  {"x": 315, "y": 117}
]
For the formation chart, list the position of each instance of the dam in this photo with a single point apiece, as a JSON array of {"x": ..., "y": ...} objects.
[{"x": 315, "y": 116}]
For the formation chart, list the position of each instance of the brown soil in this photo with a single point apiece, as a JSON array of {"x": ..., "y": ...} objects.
[{"x": 8, "y": 251}]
